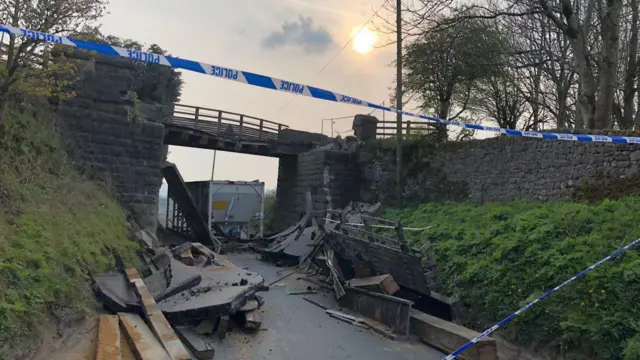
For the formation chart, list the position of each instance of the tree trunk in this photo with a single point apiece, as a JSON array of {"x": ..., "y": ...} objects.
[
  {"x": 579, "y": 119},
  {"x": 3, "y": 108},
  {"x": 444, "y": 107},
  {"x": 535, "y": 105},
  {"x": 636, "y": 120},
  {"x": 561, "y": 120},
  {"x": 610, "y": 43},
  {"x": 632, "y": 71}
]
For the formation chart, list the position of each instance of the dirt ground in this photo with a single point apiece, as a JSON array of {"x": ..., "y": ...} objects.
[{"x": 79, "y": 343}]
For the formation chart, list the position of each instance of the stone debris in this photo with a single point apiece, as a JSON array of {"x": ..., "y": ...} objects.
[
  {"x": 295, "y": 245},
  {"x": 383, "y": 284},
  {"x": 187, "y": 258},
  {"x": 250, "y": 305},
  {"x": 206, "y": 327},
  {"x": 196, "y": 298},
  {"x": 200, "y": 346},
  {"x": 223, "y": 326},
  {"x": 253, "y": 320},
  {"x": 113, "y": 290}
]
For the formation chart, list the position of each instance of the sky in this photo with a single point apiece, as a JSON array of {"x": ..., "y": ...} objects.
[{"x": 288, "y": 39}]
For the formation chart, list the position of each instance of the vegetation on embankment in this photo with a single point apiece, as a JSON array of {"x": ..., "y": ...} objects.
[
  {"x": 497, "y": 257},
  {"x": 56, "y": 228}
]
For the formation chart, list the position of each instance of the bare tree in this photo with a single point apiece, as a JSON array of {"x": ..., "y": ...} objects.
[
  {"x": 499, "y": 98},
  {"x": 626, "y": 120}
]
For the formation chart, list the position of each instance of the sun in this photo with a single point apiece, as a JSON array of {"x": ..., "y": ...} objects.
[{"x": 364, "y": 40}]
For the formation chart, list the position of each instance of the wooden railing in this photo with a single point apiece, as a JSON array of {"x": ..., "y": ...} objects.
[
  {"x": 226, "y": 124},
  {"x": 387, "y": 128}
]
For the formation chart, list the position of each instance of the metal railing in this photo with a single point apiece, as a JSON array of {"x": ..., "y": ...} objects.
[
  {"x": 226, "y": 124},
  {"x": 387, "y": 129}
]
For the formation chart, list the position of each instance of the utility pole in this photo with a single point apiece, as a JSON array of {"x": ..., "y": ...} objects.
[{"x": 398, "y": 100}]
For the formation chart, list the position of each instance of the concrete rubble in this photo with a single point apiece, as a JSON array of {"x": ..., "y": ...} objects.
[{"x": 189, "y": 294}]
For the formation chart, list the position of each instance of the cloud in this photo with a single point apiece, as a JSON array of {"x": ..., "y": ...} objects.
[{"x": 302, "y": 34}]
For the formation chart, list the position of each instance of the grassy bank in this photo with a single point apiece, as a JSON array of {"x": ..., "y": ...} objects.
[
  {"x": 56, "y": 227},
  {"x": 496, "y": 257}
]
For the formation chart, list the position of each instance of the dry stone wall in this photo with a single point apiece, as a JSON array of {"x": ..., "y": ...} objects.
[{"x": 496, "y": 169}]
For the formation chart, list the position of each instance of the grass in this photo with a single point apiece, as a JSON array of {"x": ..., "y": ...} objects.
[
  {"x": 497, "y": 257},
  {"x": 56, "y": 229}
]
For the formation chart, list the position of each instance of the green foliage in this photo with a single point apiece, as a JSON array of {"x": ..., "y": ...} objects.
[
  {"x": 269, "y": 210},
  {"x": 496, "y": 257},
  {"x": 56, "y": 228},
  {"x": 632, "y": 351}
]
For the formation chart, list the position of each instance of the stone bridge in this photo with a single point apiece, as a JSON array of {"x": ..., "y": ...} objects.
[{"x": 124, "y": 142}]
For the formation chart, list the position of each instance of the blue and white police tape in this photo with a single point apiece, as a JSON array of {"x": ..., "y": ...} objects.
[
  {"x": 540, "y": 298},
  {"x": 287, "y": 86}
]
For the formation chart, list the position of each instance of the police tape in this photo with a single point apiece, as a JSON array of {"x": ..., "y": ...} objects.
[
  {"x": 540, "y": 298},
  {"x": 271, "y": 83}
]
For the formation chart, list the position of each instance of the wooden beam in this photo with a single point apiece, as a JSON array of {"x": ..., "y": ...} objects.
[
  {"x": 141, "y": 339},
  {"x": 108, "y": 338},
  {"x": 158, "y": 323}
]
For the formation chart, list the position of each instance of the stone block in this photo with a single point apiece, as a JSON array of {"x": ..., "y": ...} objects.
[{"x": 448, "y": 337}]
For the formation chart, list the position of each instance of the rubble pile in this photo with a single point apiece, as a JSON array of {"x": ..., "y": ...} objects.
[
  {"x": 191, "y": 292},
  {"x": 363, "y": 259}
]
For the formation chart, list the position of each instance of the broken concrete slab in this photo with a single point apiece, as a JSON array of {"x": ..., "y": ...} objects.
[
  {"x": 303, "y": 245},
  {"x": 157, "y": 321},
  {"x": 383, "y": 284},
  {"x": 222, "y": 290},
  {"x": 162, "y": 258},
  {"x": 182, "y": 278},
  {"x": 114, "y": 291},
  {"x": 198, "y": 247},
  {"x": 174, "y": 278},
  {"x": 159, "y": 282},
  {"x": 143, "y": 342},
  {"x": 200, "y": 346},
  {"x": 108, "y": 347},
  {"x": 448, "y": 337}
]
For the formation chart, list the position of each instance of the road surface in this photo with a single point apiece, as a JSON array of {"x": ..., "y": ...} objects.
[{"x": 296, "y": 329}]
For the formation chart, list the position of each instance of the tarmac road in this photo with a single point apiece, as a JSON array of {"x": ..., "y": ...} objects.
[{"x": 296, "y": 329}]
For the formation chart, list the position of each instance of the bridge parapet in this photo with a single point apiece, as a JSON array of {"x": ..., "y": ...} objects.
[{"x": 226, "y": 124}]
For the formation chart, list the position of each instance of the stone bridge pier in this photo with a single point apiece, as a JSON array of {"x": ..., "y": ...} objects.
[
  {"x": 332, "y": 176},
  {"x": 106, "y": 136}
]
